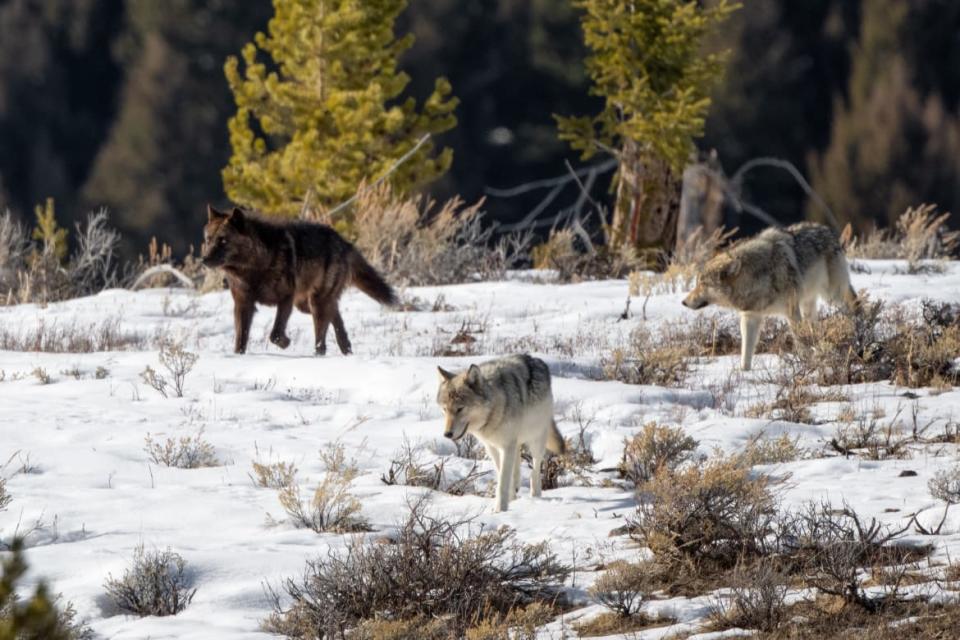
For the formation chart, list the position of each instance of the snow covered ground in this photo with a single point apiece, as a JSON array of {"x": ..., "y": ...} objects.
[{"x": 98, "y": 494}]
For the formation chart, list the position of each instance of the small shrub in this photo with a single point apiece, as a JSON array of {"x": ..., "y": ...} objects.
[
  {"x": 178, "y": 362},
  {"x": 408, "y": 468},
  {"x": 5, "y": 497},
  {"x": 646, "y": 361},
  {"x": 871, "y": 435},
  {"x": 712, "y": 515},
  {"x": 335, "y": 461},
  {"x": 186, "y": 452},
  {"x": 331, "y": 508},
  {"x": 945, "y": 485},
  {"x": 274, "y": 475},
  {"x": 755, "y": 599},
  {"x": 156, "y": 584},
  {"x": 763, "y": 450},
  {"x": 42, "y": 376},
  {"x": 622, "y": 588},
  {"x": 656, "y": 448},
  {"x": 433, "y": 569},
  {"x": 832, "y": 546}
]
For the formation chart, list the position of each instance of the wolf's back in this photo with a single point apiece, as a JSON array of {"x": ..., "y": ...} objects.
[{"x": 812, "y": 242}]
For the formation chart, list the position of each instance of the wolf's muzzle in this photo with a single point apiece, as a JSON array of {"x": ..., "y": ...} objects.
[{"x": 699, "y": 304}]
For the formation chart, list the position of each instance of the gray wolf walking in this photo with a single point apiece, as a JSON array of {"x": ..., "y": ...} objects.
[
  {"x": 779, "y": 272},
  {"x": 505, "y": 403},
  {"x": 287, "y": 264}
]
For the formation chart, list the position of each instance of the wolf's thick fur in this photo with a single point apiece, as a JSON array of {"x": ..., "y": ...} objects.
[
  {"x": 778, "y": 272},
  {"x": 505, "y": 403},
  {"x": 287, "y": 264}
]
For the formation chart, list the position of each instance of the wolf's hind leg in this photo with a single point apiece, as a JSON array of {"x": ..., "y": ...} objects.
[
  {"x": 321, "y": 322},
  {"x": 340, "y": 331},
  {"x": 515, "y": 485},
  {"x": 536, "y": 453},
  {"x": 749, "y": 333},
  {"x": 278, "y": 335}
]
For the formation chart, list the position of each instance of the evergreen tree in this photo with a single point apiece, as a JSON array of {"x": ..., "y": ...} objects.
[
  {"x": 161, "y": 161},
  {"x": 647, "y": 63},
  {"x": 36, "y": 618},
  {"x": 328, "y": 115},
  {"x": 891, "y": 147},
  {"x": 57, "y": 96}
]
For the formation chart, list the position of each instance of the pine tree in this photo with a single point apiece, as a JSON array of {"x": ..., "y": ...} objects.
[
  {"x": 162, "y": 159},
  {"x": 891, "y": 147},
  {"x": 327, "y": 115},
  {"x": 647, "y": 63},
  {"x": 34, "y": 618}
]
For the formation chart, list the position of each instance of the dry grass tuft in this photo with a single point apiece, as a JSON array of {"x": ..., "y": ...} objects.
[
  {"x": 919, "y": 236},
  {"x": 105, "y": 335},
  {"x": 416, "y": 244},
  {"x": 332, "y": 508},
  {"x": 186, "y": 452}
]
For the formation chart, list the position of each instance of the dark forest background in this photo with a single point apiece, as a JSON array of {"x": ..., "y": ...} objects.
[{"x": 123, "y": 103}]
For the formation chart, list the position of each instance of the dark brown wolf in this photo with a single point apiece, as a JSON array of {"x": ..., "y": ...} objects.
[{"x": 287, "y": 264}]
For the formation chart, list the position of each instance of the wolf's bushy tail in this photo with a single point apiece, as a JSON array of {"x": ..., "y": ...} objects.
[
  {"x": 555, "y": 443},
  {"x": 365, "y": 277}
]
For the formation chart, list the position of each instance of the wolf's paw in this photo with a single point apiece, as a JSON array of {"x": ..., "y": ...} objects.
[
  {"x": 281, "y": 341},
  {"x": 321, "y": 350}
]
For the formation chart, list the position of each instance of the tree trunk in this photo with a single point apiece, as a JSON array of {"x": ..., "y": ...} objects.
[
  {"x": 647, "y": 207},
  {"x": 701, "y": 202}
]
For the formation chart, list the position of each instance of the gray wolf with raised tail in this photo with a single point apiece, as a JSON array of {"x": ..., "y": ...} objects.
[
  {"x": 287, "y": 264},
  {"x": 505, "y": 403},
  {"x": 780, "y": 272}
]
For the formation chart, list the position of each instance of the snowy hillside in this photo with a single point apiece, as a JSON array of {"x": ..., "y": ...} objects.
[{"x": 73, "y": 426}]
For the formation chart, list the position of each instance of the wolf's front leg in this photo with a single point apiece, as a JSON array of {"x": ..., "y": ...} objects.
[
  {"x": 278, "y": 335},
  {"x": 749, "y": 333},
  {"x": 243, "y": 309},
  {"x": 505, "y": 477}
]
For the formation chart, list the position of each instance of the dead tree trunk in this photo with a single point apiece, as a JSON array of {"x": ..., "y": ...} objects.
[
  {"x": 647, "y": 206},
  {"x": 701, "y": 200}
]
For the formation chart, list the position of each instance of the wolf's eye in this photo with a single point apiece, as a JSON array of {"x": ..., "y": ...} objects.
[
  {"x": 459, "y": 409},
  {"x": 221, "y": 242}
]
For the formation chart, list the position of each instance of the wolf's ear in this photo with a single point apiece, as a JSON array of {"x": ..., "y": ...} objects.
[
  {"x": 236, "y": 217},
  {"x": 445, "y": 376},
  {"x": 473, "y": 375},
  {"x": 732, "y": 268},
  {"x": 214, "y": 214}
]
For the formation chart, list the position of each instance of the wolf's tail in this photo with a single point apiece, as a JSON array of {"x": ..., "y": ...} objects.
[
  {"x": 555, "y": 442},
  {"x": 366, "y": 278}
]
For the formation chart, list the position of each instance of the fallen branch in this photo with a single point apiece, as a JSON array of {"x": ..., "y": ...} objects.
[{"x": 163, "y": 268}]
